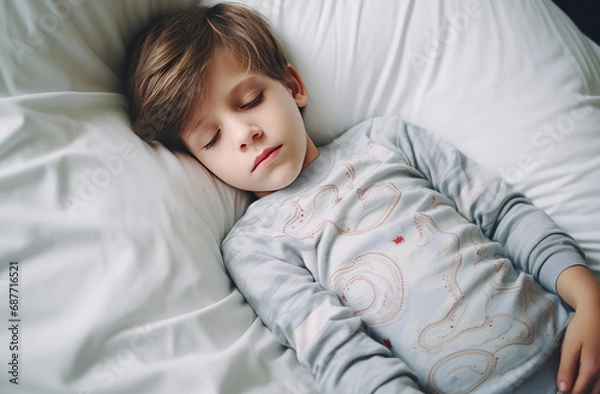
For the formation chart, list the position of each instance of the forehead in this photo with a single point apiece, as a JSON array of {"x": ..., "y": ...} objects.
[
  {"x": 225, "y": 66},
  {"x": 225, "y": 78}
]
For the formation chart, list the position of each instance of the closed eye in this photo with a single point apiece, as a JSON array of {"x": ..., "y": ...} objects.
[
  {"x": 254, "y": 102},
  {"x": 214, "y": 140}
]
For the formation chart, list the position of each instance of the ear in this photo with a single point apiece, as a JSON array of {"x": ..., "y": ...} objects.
[{"x": 296, "y": 86}]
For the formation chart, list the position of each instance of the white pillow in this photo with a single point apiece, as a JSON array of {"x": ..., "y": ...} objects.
[{"x": 514, "y": 85}]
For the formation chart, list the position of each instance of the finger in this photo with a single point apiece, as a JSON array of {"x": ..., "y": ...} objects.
[
  {"x": 588, "y": 375},
  {"x": 587, "y": 378},
  {"x": 583, "y": 381},
  {"x": 596, "y": 389},
  {"x": 569, "y": 363}
]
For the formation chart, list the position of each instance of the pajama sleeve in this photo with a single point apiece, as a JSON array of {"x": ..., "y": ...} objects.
[
  {"x": 329, "y": 340},
  {"x": 534, "y": 243}
]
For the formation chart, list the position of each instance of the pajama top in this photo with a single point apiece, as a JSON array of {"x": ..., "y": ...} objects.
[{"x": 395, "y": 264}]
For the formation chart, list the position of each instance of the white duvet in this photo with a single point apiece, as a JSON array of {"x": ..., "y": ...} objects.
[{"x": 111, "y": 279}]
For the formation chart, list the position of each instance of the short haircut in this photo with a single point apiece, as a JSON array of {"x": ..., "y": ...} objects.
[{"x": 168, "y": 67}]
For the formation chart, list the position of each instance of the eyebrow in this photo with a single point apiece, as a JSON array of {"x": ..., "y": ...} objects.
[
  {"x": 242, "y": 84},
  {"x": 234, "y": 91}
]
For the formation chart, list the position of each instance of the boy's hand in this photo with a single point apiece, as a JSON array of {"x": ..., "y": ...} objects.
[{"x": 579, "y": 370}]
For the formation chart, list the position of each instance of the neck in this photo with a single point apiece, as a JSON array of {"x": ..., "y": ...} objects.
[{"x": 312, "y": 152}]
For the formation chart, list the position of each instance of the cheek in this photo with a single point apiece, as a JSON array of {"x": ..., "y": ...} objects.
[
  {"x": 282, "y": 110},
  {"x": 212, "y": 164},
  {"x": 228, "y": 173},
  {"x": 223, "y": 169}
]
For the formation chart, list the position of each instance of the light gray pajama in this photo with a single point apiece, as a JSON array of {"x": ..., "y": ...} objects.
[{"x": 393, "y": 243}]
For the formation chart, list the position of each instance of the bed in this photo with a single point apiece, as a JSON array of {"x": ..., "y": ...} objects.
[{"x": 111, "y": 278}]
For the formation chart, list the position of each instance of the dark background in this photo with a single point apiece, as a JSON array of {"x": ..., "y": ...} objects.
[{"x": 585, "y": 14}]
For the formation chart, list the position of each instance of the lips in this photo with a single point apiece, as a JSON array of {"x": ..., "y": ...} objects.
[{"x": 266, "y": 157}]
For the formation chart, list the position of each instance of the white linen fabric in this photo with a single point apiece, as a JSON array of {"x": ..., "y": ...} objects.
[
  {"x": 114, "y": 243},
  {"x": 120, "y": 280}
]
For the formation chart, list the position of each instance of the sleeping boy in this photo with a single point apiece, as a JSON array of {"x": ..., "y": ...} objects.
[{"x": 388, "y": 260}]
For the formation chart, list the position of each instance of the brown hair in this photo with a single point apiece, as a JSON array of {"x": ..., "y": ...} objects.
[{"x": 168, "y": 67}]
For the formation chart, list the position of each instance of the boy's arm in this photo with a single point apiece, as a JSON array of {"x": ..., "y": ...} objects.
[
  {"x": 534, "y": 243},
  {"x": 326, "y": 335}
]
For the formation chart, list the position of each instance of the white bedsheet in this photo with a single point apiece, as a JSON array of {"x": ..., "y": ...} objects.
[{"x": 120, "y": 282}]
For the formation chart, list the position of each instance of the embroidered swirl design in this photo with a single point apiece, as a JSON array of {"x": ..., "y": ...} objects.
[{"x": 373, "y": 286}]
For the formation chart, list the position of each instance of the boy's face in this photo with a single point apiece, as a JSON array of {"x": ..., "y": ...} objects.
[{"x": 249, "y": 132}]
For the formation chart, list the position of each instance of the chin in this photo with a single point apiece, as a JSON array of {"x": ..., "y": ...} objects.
[
  {"x": 286, "y": 178},
  {"x": 279, "y": 180}
]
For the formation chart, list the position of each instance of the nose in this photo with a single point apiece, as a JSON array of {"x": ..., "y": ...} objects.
[{"x": 249, "y": 135}]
